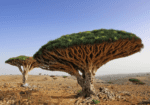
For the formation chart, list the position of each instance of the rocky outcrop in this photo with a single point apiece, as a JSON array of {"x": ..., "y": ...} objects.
[{"x": 107, "y": 95}]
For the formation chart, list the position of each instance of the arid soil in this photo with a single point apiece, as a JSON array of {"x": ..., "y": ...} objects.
[{"x": 42, "y": 88}]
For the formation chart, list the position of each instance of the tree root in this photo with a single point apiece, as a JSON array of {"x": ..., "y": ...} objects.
[{"x": 83, "y": 100}]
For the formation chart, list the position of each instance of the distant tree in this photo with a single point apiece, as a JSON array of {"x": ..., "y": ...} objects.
[
  {"x": 87, "y": 52},
  {"x": 28, "y": 64}
]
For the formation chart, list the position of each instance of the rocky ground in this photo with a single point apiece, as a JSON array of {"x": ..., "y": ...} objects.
[{"x": 43, "y": 87}]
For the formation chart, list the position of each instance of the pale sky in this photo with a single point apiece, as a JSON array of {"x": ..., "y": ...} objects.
[{"x": 27, "y": 25}]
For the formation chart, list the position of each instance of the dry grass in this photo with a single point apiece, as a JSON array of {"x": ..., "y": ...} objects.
[
  {"x": 16, "y": 98},
  {"x": 28, "y": 97},
  {"x": 32, "y": 96}
]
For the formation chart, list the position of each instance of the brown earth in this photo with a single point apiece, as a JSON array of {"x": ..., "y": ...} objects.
[{"x": 46, "y": 90}]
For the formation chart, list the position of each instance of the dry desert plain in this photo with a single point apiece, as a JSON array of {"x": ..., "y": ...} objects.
[{"x": 60, "y": 90}]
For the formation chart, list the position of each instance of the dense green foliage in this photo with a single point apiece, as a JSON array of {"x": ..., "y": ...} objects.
[
  {"x": 87, "y": 37},
  {"x": 22, "y": 57}
]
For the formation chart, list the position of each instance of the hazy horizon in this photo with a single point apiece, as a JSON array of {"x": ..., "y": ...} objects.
[{"x": 28, "y": 25}]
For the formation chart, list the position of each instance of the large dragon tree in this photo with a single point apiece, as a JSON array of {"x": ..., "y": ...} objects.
[
  {"x": 87, "y": 52},
  {"x": 28, "y": 64}
]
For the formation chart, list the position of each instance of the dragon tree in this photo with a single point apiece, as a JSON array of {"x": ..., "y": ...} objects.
[
  {"x": 28, "y": 64},
  {"x": 87, "y": 52}
]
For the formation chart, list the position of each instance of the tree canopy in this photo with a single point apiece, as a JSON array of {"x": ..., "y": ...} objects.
[
  {"x": 87, "y": 50},
  {"x": 22, "y": 57},
  {"x": 25, "y": 61},
  {"x": 87, "y": 37}
]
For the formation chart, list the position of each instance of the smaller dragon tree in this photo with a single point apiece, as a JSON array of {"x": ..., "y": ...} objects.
[{"x": 28, "y": 64}]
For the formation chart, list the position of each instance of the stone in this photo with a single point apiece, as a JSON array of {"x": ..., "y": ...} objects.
[
  {"x": 25, "y": 85},
  {"x": 107, "y": 95}
]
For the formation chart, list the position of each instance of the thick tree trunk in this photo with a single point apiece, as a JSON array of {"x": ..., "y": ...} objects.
[
  {"x": 87, "y": 84},
  {"x": 88, "y": 93}
]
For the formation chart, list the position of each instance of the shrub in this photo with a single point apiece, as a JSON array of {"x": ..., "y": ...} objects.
[
  {"x": 134, "y": 80},
  {"x": 54, "y": 78},
  {"x": 96, "y": 102},
  {"x": 110, "y": 82},
  {"x": 65, "y": 76},
  {"x": 79, "y": 91}
]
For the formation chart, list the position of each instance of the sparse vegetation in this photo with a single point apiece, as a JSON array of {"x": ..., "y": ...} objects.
[
  {"x": 64, "y": 76},
  {"x": 110, "y": 82},
  {"x": 136, "y": 81},
  {"x": 30, "y": 98},
  {"x": 96, "y": 102},
  {"x": 54, "y": 78},
  {"x": 79, "y": 91},
  {"x": 16, "y": 98}
]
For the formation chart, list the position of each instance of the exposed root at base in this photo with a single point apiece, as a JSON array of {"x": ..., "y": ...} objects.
[{"x": 86, "y": 100}]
